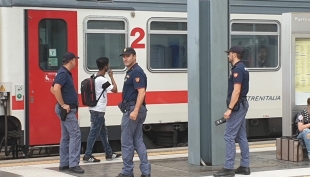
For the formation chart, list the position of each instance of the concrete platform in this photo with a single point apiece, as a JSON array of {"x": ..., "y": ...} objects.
[{"x": 263, "y": 164}]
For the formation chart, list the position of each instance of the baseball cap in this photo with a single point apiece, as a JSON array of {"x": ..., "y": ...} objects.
[
  {"x": 69, "y": 56},
  {"x": 236, "y": 49},
  {"x": 128, "y": 51}
]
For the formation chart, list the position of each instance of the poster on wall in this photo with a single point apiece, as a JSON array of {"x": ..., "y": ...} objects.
[{"x": 302, "y": 70}]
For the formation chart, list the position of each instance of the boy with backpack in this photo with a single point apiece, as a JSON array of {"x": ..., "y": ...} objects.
[{"x": 94, "y": 94}]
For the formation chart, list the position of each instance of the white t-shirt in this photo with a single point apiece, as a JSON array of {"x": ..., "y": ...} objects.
[{"x": 102, "y": 102}]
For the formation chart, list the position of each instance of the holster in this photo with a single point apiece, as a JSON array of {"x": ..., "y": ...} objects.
[
  {"x": 63, "y": 113},
  {"x": 124, "y": 106},
  {"x": 237, "y": 105}
]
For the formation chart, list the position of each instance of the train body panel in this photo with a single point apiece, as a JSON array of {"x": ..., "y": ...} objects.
[
  {"x": 157, "y": 112},
  {"x": 265, "y": 91},
  {"x": 12, "y": 57}
]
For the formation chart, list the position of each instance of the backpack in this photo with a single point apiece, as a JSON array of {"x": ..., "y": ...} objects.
[
  {"x": 294, "y": 123},
  {"x": 88, "y": 91}
]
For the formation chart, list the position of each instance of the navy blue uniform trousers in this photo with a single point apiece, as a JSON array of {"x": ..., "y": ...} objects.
[
  {"x": 70, "y": 143},
  {"x": 235, "y": 131},
  {"x": 132, "y": 139}
]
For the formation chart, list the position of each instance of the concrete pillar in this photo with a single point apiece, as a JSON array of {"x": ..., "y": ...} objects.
[{"x": 208, "y": 38}]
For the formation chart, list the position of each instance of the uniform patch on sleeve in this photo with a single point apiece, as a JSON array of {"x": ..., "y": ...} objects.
[
  {"x": 235, "y": 74},
  {"x": 137, "y": 79},
  {"x": 300, "y": 117}
]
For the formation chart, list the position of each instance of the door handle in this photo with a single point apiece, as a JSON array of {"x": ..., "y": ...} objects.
[{"x": 31, "y": 99}]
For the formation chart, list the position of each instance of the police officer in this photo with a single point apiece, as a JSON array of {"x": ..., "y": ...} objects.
[
  {"x": 67, "y": 102},
  {"x": 237, "y": 107},
  {"x": 134, "y": 114},
  {"x": 304, "y": 125}
]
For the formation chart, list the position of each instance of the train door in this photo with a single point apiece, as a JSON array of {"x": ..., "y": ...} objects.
[{"x": 49, "y": 35}]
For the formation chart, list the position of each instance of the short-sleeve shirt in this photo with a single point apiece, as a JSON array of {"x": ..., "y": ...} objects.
[
  {"x": 68, "y": 91},
  {"x": 135, "y": 78},
  {"x": 239, "y": 74},
  {"x": 102, "y": 102},
  {"x": 304, "y": 116}
]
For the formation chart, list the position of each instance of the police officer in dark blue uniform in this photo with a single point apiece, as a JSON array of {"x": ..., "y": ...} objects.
[
  {"x": 134, "y": 114},
  {"x": 237, "y": 108},
  {"x": 67, "y": 102}
]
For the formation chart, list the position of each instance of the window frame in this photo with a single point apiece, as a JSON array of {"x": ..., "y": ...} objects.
[
  {"x": 150, "y": 32},
  {"x": 259, "y": 33},
  {"x": 102, "y": 31}
]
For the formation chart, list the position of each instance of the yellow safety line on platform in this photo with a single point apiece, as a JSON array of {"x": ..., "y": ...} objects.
[
  {"x": 9, "y": 164},
  {"x": 261, "y": 145}
]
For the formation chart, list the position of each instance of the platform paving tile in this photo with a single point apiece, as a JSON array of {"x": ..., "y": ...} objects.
[
  {"x": 6, "y": 174},
  {"x": 179, "y": 167}
]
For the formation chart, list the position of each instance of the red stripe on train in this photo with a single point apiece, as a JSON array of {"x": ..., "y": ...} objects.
[
  {"x": 152, "y": 97},
  {"x": 17, "y": 105}
]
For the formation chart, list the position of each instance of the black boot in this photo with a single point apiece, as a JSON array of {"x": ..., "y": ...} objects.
[
  {"x": 225, "y": 173},
  {"x": 76, "y": 169},
  {"x": 63, "y": 168},
  {"x": 243, "y": 170},
  {"x": 122, "y": 175}
]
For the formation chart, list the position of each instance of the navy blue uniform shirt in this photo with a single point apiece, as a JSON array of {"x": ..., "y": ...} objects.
[
  {"x": 135, "y": 78},
  {"x": 68, "y": 92},
  {"x": 238, "y": 74}
]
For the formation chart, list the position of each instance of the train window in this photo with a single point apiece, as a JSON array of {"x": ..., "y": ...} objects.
[
  {"x": 105, "y": 37},
  {"x": 242, "y": 27},
  {"x": 261, "y": 43},
  {"x": 182, "y": 26},
  {"x": 96, "y": 24},
  {"x": 52, "y": 43},
  {"x": 254, "y": 27},
  {"x": 167, "y": 45}
]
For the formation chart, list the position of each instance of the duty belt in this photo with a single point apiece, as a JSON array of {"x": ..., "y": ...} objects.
[
  {"x": 124, "y": 106},
  {"x": 130, "y": 103},
  {"x": 73, "y": 106},
  {"x": 242, "y": 100}
]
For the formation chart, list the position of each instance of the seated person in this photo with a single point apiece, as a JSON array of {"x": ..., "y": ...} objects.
[
  {"x": 263, "y": 60},
  {"x": 304, "y": 126}
]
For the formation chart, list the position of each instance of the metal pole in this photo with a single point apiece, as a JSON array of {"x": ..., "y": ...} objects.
[{"x": 6, "y": 127}]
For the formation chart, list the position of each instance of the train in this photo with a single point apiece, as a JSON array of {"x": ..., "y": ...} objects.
[{"x": 34, "y": 35}]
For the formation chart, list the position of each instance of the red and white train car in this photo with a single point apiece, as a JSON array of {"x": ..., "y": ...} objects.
[{"x": 34, "y": 39}]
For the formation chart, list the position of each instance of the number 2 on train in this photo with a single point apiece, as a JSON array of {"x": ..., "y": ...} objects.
[{"x": 136, "y": 43}]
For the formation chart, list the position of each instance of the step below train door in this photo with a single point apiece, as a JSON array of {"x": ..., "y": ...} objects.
[{"x": 49, "y": 34}]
